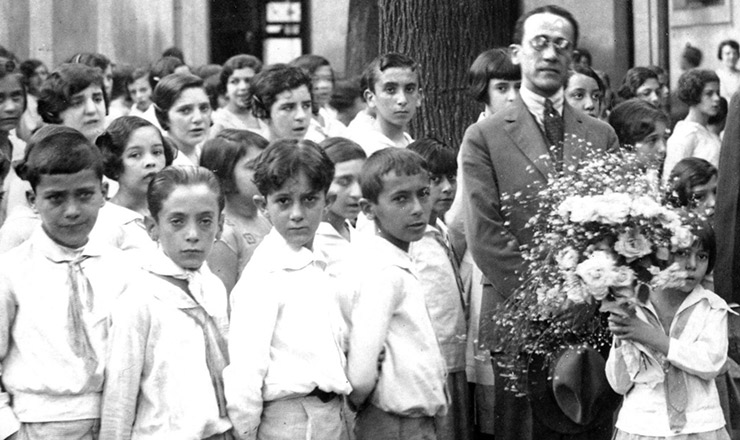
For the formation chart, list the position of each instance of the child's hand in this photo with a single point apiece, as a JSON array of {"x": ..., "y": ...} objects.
[{"x": 632, "y": 328}]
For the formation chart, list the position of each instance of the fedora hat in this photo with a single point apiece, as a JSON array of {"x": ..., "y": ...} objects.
[{"x": 571, "y": 394}]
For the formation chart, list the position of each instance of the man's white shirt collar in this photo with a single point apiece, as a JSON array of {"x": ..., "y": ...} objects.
[{"x": 536, "y": 103}]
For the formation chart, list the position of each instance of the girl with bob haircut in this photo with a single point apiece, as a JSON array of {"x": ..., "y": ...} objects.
[
  {"x": 74, "y": 95},
  {"x": 642, "y": 83},
  {"x": 232, "y": 156},
  {"x": 183, "y": 110},
  {"x": 699, "y": 89},
  {"x": 128, "y": 139},
  {"x": 281, "y": 98},
  {"x": 489, "y": 67},
  {"x": 133, "y": 151}
]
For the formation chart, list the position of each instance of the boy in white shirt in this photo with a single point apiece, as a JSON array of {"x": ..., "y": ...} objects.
[
  {"x": 287, "y": 368},
  {"x": 393, "y": 94},
  {"x": 400, "y": 399},
  {"x": 56, "y": 293}
]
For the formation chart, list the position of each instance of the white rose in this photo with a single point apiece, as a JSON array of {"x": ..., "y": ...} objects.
[
  {"x": 596, "y": 270},
  {"x": 633, "y": 245},
  {"x": 623, "y": 276}
]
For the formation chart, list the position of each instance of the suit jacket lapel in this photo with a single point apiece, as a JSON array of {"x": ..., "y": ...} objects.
[{"x": 527, "y": 136}]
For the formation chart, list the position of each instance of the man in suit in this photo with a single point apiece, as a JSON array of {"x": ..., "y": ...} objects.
[{"x": 505, "y": 154}]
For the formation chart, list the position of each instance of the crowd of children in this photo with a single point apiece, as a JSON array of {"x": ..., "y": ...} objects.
[{"x": 264, "y": 271}]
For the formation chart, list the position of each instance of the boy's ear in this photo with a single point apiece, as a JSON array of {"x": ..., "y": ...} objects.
[
  {"x": 369, "y": 98},
  {"x": 151, "y": 227},
  {"x": 367, "y": 208},
  {"x": 261, "y": 204},
  {"x": 31, "y": 199}
]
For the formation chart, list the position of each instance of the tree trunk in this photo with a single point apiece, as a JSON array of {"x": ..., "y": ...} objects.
[
  {"x": 362, "y": 36},
  {"x": 444, "y": 37}
]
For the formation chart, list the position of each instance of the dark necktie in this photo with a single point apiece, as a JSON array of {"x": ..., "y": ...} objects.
[{"x": 554, "y": 131}]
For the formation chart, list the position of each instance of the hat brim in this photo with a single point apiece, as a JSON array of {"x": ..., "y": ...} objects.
[{"x": 584, "y": 398}]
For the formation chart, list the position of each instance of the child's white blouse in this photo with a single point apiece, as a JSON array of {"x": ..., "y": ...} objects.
[{"x": 700, "y": 351}]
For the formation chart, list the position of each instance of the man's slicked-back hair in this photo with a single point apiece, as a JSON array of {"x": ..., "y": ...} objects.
[
  {"x": 167, "y": 180},
  {"x": 62, "y": 84},
  {"x": 383, "y": 62},
  {"x": 285, "y": 159},
  {"x": 547, "y": 9},
  {"x": 493, "y": 63},
  {"x": 58, "y": 149},
  {"x": 401, "y": 161},
  {"x": 441, "y": 158}
]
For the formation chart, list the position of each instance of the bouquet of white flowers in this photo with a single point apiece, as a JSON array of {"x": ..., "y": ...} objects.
[{"x": 602, "y": 234}]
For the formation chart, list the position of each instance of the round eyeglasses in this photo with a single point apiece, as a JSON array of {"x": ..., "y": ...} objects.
[{"x": 541, "y": 42}]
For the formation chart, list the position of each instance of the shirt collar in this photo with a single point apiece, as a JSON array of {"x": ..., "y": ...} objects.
[
  {"x": 392, "y": 254},
  {"x": 159, "y": 264},
  {"x": 536, "y": 103},
  {"x": 696, "y": 296},
  {"x": 283, "y": 257},
  {"x": 62, "y": 254}
]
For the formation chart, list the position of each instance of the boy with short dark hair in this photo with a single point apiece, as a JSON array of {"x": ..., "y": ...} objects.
[
  {"x": 400, "y": 399},
  {"x": 287, "y": 368},
  {"x": 53, "y": 327},
  {"x": 393, "y": 94}
]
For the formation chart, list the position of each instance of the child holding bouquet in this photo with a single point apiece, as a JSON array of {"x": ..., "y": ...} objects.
[{"x": 667, "y": 353}]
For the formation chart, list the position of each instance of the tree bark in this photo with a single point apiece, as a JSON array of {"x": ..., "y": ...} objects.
[
  {"x": 444, "y": 37},
  {"x": 362, "y": 36}
]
